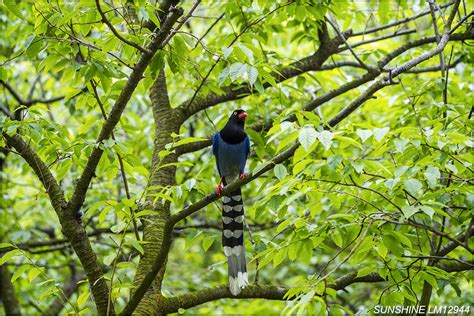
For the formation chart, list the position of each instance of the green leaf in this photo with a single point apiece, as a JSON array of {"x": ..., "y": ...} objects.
[
  {"x": 382, "y": 250},
  {"x": 383, "y": 10},
  {"x": 151, "y": 14},
  {"x": 301, "y": 165},
  {"x": 413, "y": 186},
  {"x": 189, "y": 140},
  {"x": 337, "y": 238},
  {"x": 379, "y": 133},
  {"x": 83, "y": 298},
  {"x": 409, "y": 210},
  {"x": 293, "y": 250},
  {"x": 427, "y": 210},
  {"x": 223, "y": 75},
  {"x": 364, "y": 134},
  {"x": 6, "y": 244},
  {"x": 307, "y": 136},
  {"x": 13, "y": 7},
  {"x": 280, "y": 172},
  {"x": 260, "y": 167},
  {"x": 33, "y": 273},
  {"x": 325, "y": 138},
  {"x": 470, "y": 199},
  {"x": 279, "y": 256},
  {"x": 9, "y": 255},
  {"x": 401, "y": 144},
  {"x": 135, "y": 244},
  {"x": 365, "y": 271},
  {"x": 432, "y": 175},
  {"x": 306, "y": 252},
  {"x": 247, "y": 52},
  {"x": 3, "y": 74},
  {"x": 19, "y": 271},
  {"x": 207, "y": 242},
  {"x": 252, "y": 74},
  {"x": 430, "y": 279},
  {"x": 236, "y": 71},
  {"x": 391, "y": 183}
]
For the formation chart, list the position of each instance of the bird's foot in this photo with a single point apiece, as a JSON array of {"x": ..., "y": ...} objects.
[
  {"x": 242, "y": 176},
  {"x": 219, "y": 188}
]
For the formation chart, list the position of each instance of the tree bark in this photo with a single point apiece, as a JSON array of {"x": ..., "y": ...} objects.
[
  {"x": 7, "y": 293},
  {"x": 167, "y": 121}
]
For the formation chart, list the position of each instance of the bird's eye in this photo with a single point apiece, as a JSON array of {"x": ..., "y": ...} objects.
[{"x": 235, "y": 113}]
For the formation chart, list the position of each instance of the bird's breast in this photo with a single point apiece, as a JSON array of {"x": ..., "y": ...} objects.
[{"x": 231, "y": 157}]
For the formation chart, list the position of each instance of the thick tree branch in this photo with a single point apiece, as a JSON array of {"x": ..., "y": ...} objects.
[
  {"x": 7, "y": 293},
  {"x": 71, "y": 228},
  {"x": 269, "y": 292},
  {"x": 182, "y": 22},
  {"x": 55, "y": 193}
]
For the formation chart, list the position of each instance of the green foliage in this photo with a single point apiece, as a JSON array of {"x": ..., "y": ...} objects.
[{"x": 363, "y": 197}]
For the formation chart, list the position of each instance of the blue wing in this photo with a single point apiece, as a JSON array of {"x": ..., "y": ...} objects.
[
  {"x": 215, "y": 151},
  {"x": 247, "y": 147},
  {"x": 246, "y": 155}
]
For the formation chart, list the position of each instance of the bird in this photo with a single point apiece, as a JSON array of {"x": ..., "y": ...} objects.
[{"x": 231, "y": 147}]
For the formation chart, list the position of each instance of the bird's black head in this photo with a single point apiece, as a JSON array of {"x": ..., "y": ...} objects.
[
  {"x": 233, "y": 132},
  {"x": 238, "y": 117}
]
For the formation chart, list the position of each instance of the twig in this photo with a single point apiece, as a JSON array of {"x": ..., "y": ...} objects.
[
  {"x": 117, "y": 34},
  {"x": 209, "y": 29},
  {"x": 380, "y": 38},
  {"x": 6, "y": 111},
  {"x": 461, "y": 22},
  {"x": 248, "y": 26},
  {"x": 416, "y": 16},
  {"x": 254, "y": 247},
  {"x": 353, "y": 250},
  {"x": 334, "y": 26},
  {"x": 181, "y": 23},
  {"x": 433, "y": 3},
  {"x": 122, "y": 168}
]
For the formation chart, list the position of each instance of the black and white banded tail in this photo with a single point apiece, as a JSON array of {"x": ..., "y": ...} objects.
[{"x": 233, "y": 240}]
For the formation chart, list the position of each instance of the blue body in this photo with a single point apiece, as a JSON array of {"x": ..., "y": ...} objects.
[{"x": 230, "y": 158}]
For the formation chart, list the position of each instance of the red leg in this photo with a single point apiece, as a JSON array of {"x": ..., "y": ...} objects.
[
  {"x": 219, "y": 188},
  {"x": 242, "y": 176}
]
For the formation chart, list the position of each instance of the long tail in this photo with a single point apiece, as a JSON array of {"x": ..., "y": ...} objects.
[{"x": 233, "y": 240}]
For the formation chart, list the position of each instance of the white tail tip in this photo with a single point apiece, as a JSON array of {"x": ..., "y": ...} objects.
[{"x": 238, "y": 283}]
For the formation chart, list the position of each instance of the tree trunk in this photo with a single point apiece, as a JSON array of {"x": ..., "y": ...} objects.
[{"x": 167, "y": 121}]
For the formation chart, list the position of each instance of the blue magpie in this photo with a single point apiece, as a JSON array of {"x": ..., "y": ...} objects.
[{"x": 231, "y": 147}]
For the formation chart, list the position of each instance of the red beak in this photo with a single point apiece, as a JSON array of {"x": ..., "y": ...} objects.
[{"x": 242, "y": 115}]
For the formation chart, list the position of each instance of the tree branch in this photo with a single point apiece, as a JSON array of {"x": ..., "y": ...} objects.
[
  {"x": 71, "y": 228},
  {"x": 7, "y": 293},
  {"x": 269, "y": 292},
  {"x": 29, "y": 103},
  {"x": 55, "y": 193}
]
